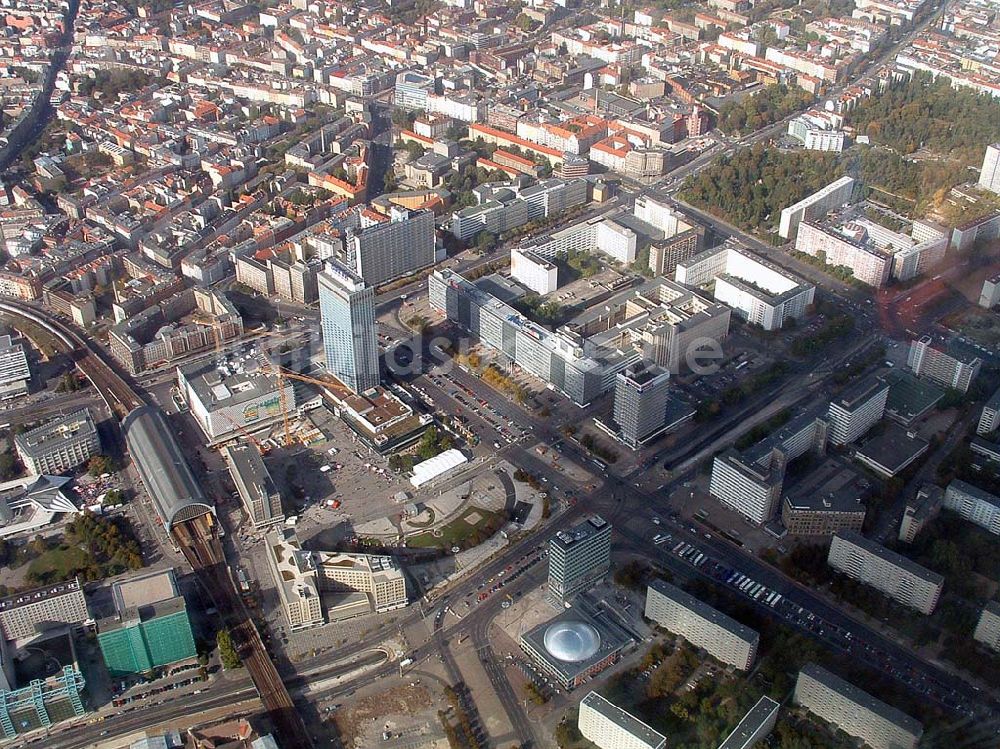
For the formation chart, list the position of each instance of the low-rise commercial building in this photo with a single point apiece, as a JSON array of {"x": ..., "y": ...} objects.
[
  {"x": 59, "y": 445},
  {"x": 854, "y": 711},
  {"x": 900, "y": 578},
  {"x": 891, "y": 451},
  {"x": 609, "y": 727},
  {"x": 830, "y": 499},
  {"x": 723, "y": 638},
  {"x": 254, "y": 484}
]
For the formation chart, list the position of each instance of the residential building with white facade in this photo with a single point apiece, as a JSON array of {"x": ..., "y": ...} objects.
[
  {"x": 989, "y": 175},
  {"x": 755, "y": 726},
  {"x": 973, "y": 504},
  {"x": 988, "y": 627},
  {"x": 758, "y": 291},
  {"x": 533, "y": 271},
  {"x": 950, "y": 368},
  {"x": 854, "y": 711},
  {"x": 609, "y": 727},
  {"x": 989, "y": 418},
  {"x": 857, "y": 409},
  {"x": 817, "y": 205},
  {"x": 900, "y": 578},
  {"x": 723, "y": 638}
]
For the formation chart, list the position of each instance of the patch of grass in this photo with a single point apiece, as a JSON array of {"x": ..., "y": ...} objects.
[
  {"x": 59, "y": 563},
  {"x": 460, "y": 532}
]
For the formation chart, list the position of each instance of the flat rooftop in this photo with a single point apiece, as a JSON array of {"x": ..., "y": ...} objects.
[
  {"x": 144, "y": 589},
  {"x": 893, "y": 448},
  {"x": 909, "y": 396},
  {"x": 861, "y": 697},
  {"x": 579, "y": 532},
  {"x": 745, "y": 730},
  {"x": 238, "y": 379},
  {"x": 46, "y": 438},
  {"x": 832, "y": 487},
  {"x": 703, "y": 610},
  {"x": 623, "y": 720}
]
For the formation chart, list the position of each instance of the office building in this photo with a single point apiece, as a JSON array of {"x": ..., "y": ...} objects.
[
  {"x": 254, "y": 484},
  {"x": 26, "y": 614},
  {"x": 315, "y": 587},
  {"x": 681, "y": 238},
  {"x": 989, "y": 419},
  {"x": 988, "y": 626},
  {"x": 573, "y": 647},
  {"x": 59, "y": 445},
  {"x": 235, "y": 395},
  {"x": 350, "y": 338},
  {"x": 14, "y": 371},
  {"x": 759, "y": 291},
  {"x": 857, "y": 713},
  {"x": 893, "y": 574},
  {"x": 723, "y": 638},
  {"x": 391, "y": 249},
  {"x": 674, "y": 327},
  {"x": 609, "y": 727},
  {"x": 560, "y": 359},
  {"x": 973, "y": 504},
  {"x": 814, "y": 206},
  {"x": 951, "y": 368},
  {"x": 642, "y": 394},
  {"x": 48, "y": 688},
  {"x": 578, "y": 558},
  {"x": 920, "y": 510},
  {"x": 755, "y": 726},
  {"x": 989, "y": 175},
  {"x": 828, "y": 500},
  {"x": 294, "y": 574},
  {"x": 412, "y": 90},
  {"x": 150, "y": 628},
  {"x": 533, "y": 271},
  {"x": 857, "y": 409}
]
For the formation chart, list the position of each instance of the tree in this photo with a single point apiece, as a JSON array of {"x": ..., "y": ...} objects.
[
  {"x": 227, "y": 652},
  {"x": 99, "y": 465},
  {"x": 485, "y": 241}
]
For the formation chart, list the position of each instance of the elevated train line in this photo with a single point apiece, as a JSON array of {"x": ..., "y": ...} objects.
[{"x": 198, "y": 540}]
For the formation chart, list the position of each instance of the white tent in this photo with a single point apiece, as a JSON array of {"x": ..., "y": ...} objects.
[{"x": 439, "y": 465}]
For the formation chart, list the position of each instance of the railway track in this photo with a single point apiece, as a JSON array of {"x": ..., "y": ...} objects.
[
  {"x": 197, "y": 540},
  {"x": 119, "y": 396}
]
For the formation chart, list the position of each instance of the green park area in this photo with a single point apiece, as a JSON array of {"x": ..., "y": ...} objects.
[{"x": 473, "y": 526}]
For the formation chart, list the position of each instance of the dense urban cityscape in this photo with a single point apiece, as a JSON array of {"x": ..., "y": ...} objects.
[{"x": 456, "y": 374}]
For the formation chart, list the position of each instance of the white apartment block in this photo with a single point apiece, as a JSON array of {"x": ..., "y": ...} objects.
[
  {"x": 854, "y": 711},
  {"x": 973, "y": 504},
  {"x": 867, "y": 264},
  {"x": 988, "y": 627},
  {"x": 989, "y": 175},
  {"x": 757, "y": 290},
  {"x": 533, "y": 271},
  {"x": 616, "y": 241},
  {"x": 814, "y": 206},
  {"x": 23, "y": 615},
  {"x": 756, "y": 725},
  {"x": 723, "y": 638},
  {"x": 989, "y": 297},
  {"x": 14, "y": 371},
  {"x": 989, "y": 419},
  {"x": 953, "y": 370},
  {"x": 491, "y": 216},
  {"x": 744, "y": 487},
  {"x": 893, "y": 574},
  {"x": 609, "y": 727},
  {"x": 856, "y": 410}
]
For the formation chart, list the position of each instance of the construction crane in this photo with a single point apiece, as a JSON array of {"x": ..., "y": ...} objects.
[{"x": 285, "y": 374}]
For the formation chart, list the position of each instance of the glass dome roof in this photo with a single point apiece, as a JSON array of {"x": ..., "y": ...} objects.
[{"x": 571, "y": 641}]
